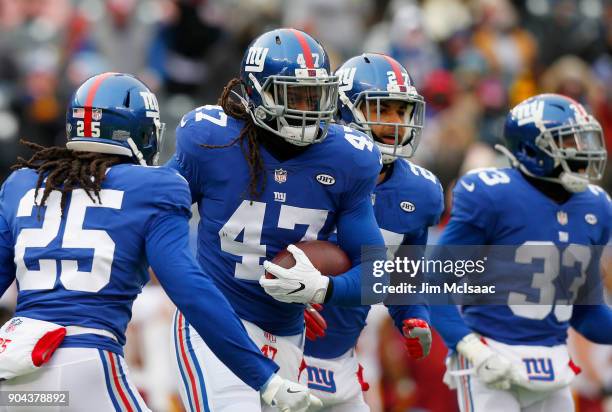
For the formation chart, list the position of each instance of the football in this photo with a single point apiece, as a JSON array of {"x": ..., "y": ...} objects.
[{"x": 326, "y": 256}]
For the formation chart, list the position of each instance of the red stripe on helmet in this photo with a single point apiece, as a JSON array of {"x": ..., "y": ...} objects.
[
  {"x": 399, "y": 76},
  {"x": 579, "y": 107},
  {"x": 89, "y": 101},
  {"x": 305, "y": 51}
]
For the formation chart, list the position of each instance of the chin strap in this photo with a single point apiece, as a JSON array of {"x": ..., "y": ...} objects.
[
  {"x": 356, "y": 113},
  {"x": 570, "y": 182},
  {"x": 137, "y": 153}
]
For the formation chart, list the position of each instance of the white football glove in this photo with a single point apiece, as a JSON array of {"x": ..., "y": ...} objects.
[
  {"x": 289, "y": 396},
  {"x": 495, "y": 370},
  {"x": 302, "y": 283}
]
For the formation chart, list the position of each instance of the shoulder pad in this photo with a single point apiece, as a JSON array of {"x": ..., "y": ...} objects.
[
  {"x": 207, "y": 125},
  {"x": 354, "y": 150}
]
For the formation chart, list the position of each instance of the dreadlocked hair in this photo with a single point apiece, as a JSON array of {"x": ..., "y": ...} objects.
[
  {"x": 247, "y": 139},
  {"x": 65, "y": 170}
]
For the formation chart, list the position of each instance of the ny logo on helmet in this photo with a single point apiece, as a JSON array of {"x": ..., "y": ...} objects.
[
  {"x": 532, "y": 112},
  {"x": 255, "y": 59},
  {"x": 346, "y": 76},
  {"x": 150, "y": 103}
]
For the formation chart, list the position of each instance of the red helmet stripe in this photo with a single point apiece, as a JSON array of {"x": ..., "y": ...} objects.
[
  {"x": 305, "y": 48},
  {"x": 395, "y": 66},
  {"x": 89, "y": 101},
  {"x": 579, "y": 106}
]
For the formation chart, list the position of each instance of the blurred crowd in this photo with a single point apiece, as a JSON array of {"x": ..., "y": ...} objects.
[{"x": 471, "y": 59}]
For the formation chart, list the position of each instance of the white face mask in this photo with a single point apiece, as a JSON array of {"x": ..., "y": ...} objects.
[
  {"x": 302, "y": 107},
  {"x": 407, "y": 132},
  {"x": 299, "y": 136}
]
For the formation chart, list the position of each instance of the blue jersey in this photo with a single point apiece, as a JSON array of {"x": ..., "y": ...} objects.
[
  {"x": 86, "y": 267},
  {"x": 326, "y": 186},
  {"x": 500, "y": 207},
  {"x": 405, "y": 205}
]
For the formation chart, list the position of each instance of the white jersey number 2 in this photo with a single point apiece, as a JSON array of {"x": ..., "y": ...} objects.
[{"x": 75, "y": 237}]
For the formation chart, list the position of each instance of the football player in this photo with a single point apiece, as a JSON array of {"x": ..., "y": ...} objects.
[
  {"x": 82, "y": 224},
  {"x": 545, "y": 207},
  {"x": 377, "y": 97},
  {"x": 268, "y": 170}
]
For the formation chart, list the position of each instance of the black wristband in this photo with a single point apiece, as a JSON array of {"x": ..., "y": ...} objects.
[{"x": 329, "y": 291}]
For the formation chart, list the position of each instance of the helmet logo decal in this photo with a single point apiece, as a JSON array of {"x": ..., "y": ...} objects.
[
  {"x": 531, "y": 112},
  {"x": 78, "y": 112},
  {"x": 346, "y": 76},
  {"x": 96, "y": 114},
  {"x": 255, "y": 59},
  {"x": 151, "y": 106}
]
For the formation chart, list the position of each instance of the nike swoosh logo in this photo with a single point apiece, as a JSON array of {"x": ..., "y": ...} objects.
[
  {"x": 470, "y": 187},
  {"x": 290, "y": 391},
  {"x": 302, "y": 286},
  {"x": 183, "y": 121}
]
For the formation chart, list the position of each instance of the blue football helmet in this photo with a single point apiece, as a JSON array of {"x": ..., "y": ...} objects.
[
  {"x": 367, "y": 82},
  {"x": 287, "y": 86},
  {"x": 115, "y": 113},
  {"x": 552, "y": 137}
]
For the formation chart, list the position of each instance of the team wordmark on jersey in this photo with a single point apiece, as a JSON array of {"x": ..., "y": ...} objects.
[{"x": 280, "y": 197}]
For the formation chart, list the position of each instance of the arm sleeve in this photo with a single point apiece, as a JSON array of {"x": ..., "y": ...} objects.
[
  {"x": 457, "y": 232},
  {"x": 356, "y": 227},
  {"x": 7, "y": 263},
  {"x": 201, "y": 302},
  {"x": 7, "y": 251},
  {"x": 191, "y": 290},
  {"x": 401, "y": 312},
  {"x": 594, "y": 322},
  {"x": 466, "y": 227},
  {"x": 472, "y": 213},
  {"x": 416, "y": 238},
  {"x": 186, "y": 161},
  {"x": 447, "y": 320},
  {"x": 471, "y": 216}
]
